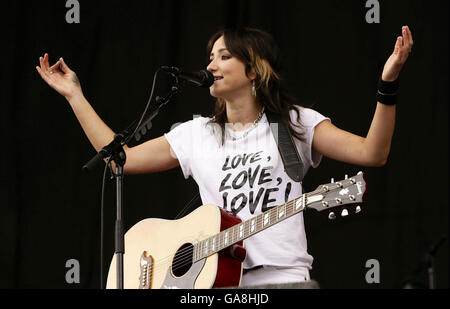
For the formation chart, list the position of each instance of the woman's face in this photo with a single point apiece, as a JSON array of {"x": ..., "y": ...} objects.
[{"x": 229, "y": 72}]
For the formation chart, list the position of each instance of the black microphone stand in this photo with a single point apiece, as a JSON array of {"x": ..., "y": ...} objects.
[
  {"x": 429, "y": 262},
  {"x": 117, "y": 154}
]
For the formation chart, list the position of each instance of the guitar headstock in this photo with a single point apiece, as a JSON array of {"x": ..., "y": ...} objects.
[{"x": 335, "y": 195}]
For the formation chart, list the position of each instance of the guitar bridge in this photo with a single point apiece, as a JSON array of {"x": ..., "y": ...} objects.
[{"x": 146, "y": 265}]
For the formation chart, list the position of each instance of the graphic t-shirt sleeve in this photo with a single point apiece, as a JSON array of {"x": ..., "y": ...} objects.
[
  {"x": 180, "y": 139},
  {"x": 310, "y": 118}
]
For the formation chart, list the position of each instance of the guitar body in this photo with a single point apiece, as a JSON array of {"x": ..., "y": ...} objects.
[
  {"x": 164, "y": 242},
  {"x": 205, "y": 248}
]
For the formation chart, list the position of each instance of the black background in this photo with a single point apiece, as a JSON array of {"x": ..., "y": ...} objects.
[{"x": 50, "y": 209}]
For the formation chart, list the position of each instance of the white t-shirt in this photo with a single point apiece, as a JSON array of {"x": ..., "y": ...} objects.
[{"x": 247, "y": 177}]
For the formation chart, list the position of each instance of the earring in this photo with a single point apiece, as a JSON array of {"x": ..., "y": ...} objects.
[{"x": 253, "y": 88}]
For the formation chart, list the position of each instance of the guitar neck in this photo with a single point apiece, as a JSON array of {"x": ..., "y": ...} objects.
[
  {"x": 251, "y": 227},
  {"x": 325, "y": 197}
]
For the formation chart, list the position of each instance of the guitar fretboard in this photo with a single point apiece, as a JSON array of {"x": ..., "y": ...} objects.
[{"x": 248, "y": 228}]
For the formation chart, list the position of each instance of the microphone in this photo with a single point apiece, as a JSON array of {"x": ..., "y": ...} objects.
[{"x": 203, "y": 78}]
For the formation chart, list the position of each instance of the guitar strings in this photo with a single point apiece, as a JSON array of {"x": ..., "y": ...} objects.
[
  {"x": 183, "y": 260},
  {"x": 186, "y": 259},
  {"x": 186, "y": 256}
]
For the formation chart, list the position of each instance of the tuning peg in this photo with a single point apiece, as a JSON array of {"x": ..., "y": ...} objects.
[
  {"x": 344, "y": 213},
  {"x": 359, "y": 173},
  {"x": 346, "y": 176},
  {"x": 358, "y": 209},
  {"x": 332, "y": 180},
  {"x": 331, "y": 216}
]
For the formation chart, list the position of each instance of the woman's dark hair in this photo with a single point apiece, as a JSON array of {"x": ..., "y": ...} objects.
[{"x": 261, "y": 55}]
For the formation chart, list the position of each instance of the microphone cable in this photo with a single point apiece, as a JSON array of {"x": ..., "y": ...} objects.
[
  {"x": 146, "y": 107},
  {"x": 102, "y": 222}
]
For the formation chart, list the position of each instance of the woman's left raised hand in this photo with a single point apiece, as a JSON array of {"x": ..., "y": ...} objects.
[{"x": 398, "y": 58}]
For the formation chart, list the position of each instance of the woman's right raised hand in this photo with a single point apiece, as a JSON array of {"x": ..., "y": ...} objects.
[{"x": 60, "y": 77}]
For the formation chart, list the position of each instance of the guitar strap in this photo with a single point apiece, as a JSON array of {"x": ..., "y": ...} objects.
[{"x": 292, "y": 162}]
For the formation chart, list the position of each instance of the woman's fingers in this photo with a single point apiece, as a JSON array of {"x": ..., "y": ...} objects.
[
  {"x": 38, "y": 68},
  {"x": 398, "y": 45},
  {"x": 403, "y": 45},
  {"x": 55, "y": 66},
  {"x": 407, "y": 35},
  {"x": 46, "y": 65},
  {"x": 41, "y": 63},
  {"x": 44, "y": 76},
  {"x": 64, "y": 66},
  {"x": 44, "y": 69}
]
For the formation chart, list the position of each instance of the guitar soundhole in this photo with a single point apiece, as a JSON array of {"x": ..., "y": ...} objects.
[{"x": 182, "y": 261}]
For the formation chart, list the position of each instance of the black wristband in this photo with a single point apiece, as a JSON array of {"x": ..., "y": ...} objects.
[{"x": 387, "y": 92}]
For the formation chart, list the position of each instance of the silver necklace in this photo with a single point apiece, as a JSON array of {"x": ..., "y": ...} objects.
[{"x": 254, "y": 124}]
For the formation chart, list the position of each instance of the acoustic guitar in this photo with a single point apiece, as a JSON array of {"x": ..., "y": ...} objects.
[{"x": 205, "y": 248}]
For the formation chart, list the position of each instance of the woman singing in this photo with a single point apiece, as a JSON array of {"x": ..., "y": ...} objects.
[{"x": 233, "y": 156}]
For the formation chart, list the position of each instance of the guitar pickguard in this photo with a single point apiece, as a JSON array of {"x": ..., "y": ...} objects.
[{"x": 187, "y": 281}]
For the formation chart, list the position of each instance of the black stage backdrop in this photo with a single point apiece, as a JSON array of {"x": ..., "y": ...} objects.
[{"x": 50, "y": 209}]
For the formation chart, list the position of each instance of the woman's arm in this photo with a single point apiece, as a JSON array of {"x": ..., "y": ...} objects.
[
  {"x": 373, "y": 150},
  {"x": 152, "y": 156}
]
